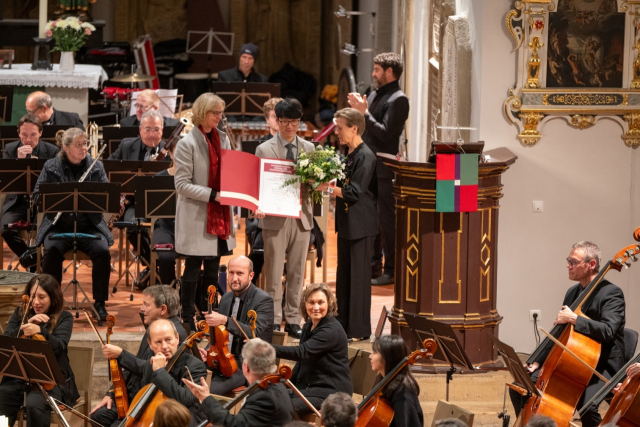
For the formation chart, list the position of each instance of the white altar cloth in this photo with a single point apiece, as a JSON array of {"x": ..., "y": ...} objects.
[{"x": 83, "y": 76}]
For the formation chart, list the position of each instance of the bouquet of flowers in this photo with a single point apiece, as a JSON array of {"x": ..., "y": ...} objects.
[
  {"x": 319, "y": 166},
  {"x": 69, "y": 33}
]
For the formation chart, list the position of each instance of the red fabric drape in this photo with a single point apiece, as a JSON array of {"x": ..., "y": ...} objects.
[{"x": 218, "y": 221}]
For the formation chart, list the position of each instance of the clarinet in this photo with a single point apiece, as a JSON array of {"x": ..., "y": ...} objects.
[{"x": 83, "y": 177}]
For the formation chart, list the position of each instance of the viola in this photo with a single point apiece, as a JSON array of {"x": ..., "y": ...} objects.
[
  {"x": 218, "y": 354},
  {"x": 253, "y": 317},
  {"x": 376, "y": 411}
]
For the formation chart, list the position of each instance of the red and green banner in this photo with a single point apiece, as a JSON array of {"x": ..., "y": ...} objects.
[{"x": 456, "y": 183}]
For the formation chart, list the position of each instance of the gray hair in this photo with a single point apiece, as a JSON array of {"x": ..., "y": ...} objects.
[
  {"x": 339, "y": 410},
  {"x": 591, "y": 252},
  {"x": 260, "y": 356},
  {"x": 164, "y": 295},
  {"x": 152, "y": 113},
  {"x": 451, "y": 422},
  {"x": 65, "y": 138},
  {"x": 541, "y": 421},
  {"x": 173, "y": 326},
  {"x": 43, "y": 100}
]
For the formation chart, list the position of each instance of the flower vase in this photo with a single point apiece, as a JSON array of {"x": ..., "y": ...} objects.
[{"x": 67, "y": 63}]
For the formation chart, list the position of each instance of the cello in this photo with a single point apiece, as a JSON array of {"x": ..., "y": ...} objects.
[
  {"x": 624, "y": 410},
  {"x": 117, "y": 379},
  {"x": 218, "y": 354},
  {"x": 376, "y": 411},
  {"x": 563, "y": 378}
]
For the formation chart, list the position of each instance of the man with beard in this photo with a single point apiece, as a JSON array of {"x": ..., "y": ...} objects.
[
  {"x": 244, "y": 296},
  {"x": 385, "y": 113}
]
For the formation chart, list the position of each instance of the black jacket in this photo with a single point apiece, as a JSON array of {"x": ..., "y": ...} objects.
[
  {"x": 43, "y": 150},
  {"x": 322, "y": 358},
  {"x": 357, "y": 209},
  {"x": 57, "y": 170},
  {"x": 131, "y": 148},
  {"x": 406, "y": 407},
  {"x": 388, "y": 110},
  {"x": 235, "y": 75},
  {"x": 269, "y": 407},
  {"x": 59, "y": 339},
  {"x": 64, "y": 118},
  {"x": 133, "y": 121},
  {"x": 604, "y": 322}
]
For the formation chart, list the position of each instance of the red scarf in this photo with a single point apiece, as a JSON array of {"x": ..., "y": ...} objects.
[{"x": 218, "y": 222}]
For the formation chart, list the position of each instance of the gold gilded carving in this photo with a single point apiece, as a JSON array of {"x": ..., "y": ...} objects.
[
  {"x": 516, "y": 32},
  {"x": 584, "y": 99},
  {"x": 411, "y": 285},
  {"x": 442, "y": 256},
  {"x": 413, "y": 254},
  {"x": 413, "y": 224},
  {"x": 635, "y": 83},
  {"x": 533, "y": 81},
  {"x": 582, "y": 122},
  {"x": 485, "y": 256},
  {"x": 632, "y": 137},
  {"x": 530, "y": 135},
  {"x": 512, "y": 102}
]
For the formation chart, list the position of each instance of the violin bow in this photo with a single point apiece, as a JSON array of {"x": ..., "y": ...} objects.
[{"x": 246, "y": 338}]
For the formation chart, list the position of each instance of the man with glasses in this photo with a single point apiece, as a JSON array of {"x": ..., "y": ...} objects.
[
  {"x": 146, "y": 100},
  {"x": 602, "y": 319},
  {"x": 15, "y": 206},
  {"x": 144, "y": 147},
  {"x": 286, "y": 237},
  {"x": 41, "y": 105}
]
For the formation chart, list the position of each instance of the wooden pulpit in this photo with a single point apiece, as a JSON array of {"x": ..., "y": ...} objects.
[{"x": 446, "y": 262}]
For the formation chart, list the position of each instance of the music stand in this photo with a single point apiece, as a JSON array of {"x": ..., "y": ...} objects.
[
  {"x": 79, "y": 197},
  {"x": 449, "y": 349},
  {"x": 381, "y": 321},
  {"x": 245, "y": 99}
]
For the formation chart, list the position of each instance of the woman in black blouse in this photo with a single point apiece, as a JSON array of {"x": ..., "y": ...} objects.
[
  {"x": 356, "y": 225},
  {"x": 322, "y": 357},
  {"x": 401, "y": 392},
  {"x": 47, "y": 318}
]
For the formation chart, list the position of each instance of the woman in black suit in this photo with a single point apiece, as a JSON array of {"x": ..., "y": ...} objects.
[
  {"x": 401, "y": 392},
  {"x": 47, "y": 318},
  {"x": 322, "y": 357},
  {"x": 356, "y": 225}
]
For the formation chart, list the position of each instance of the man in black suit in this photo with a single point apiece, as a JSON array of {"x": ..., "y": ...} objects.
[
  {"x": 270, "y": 406},
  {"x": 163, "y": 340},
  {"x": 15, "y": 206},
  {"x": 244, "y": 72},
  {"x": 245, "y": 296},
  {"x": 40, "y": 104},
  {"x": 148, "y": 144},
  {"x": 146, "y": 100},
  {"x": 602, "y": 319}
]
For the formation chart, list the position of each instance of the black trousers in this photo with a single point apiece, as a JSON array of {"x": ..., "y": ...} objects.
[
  {"x": 385, "y": 242},
  {"x": 97, "y": 250},
  {"x": 106, "y": 417},
  {"x": 12, "y": 237},
  {"x": 222, "y": 385},
  {"x": 301, "y": 408},
  {"x": 132, "y": 236},
  {"x": 37, "y": 409},
  {"x": 193, "y": 291},
  {"x": 166, "y": 259},
  {"x": 590, "y": 419},
  {"x": 353, "y": 285}
]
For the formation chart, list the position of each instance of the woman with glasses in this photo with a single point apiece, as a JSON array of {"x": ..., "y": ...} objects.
[
  {"x": 204, "y": 228},
  {"x": 68, "y": 166}
]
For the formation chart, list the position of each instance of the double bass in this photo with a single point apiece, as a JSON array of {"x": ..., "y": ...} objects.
[{"x": 218, "y": 354}]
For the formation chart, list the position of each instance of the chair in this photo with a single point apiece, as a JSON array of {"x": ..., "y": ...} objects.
[
  {"x": 630, "y": 343},
  {"x": 81, "y": 361},
  {"x": 362, "y": 376},
  {"x": 446, "y": 410},
  {"x": 279, "y": 338}
]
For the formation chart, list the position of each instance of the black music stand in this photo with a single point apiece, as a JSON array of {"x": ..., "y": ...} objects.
[
  {"x": 156, "y": 197},
  {"x": 74, "y": 198},
  {"x": 245, "y": 99},
  {"x": 32, "y": 361},
  {"x": 449, "y": 349}
]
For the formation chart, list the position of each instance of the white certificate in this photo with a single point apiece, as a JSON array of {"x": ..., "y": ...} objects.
[{"x": 276, "y": 199}]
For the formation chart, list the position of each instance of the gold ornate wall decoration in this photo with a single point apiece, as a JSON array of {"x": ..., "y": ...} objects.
[
  {"x": 443, "y": 252},
  {"x": 485, "y": 256},
  {"x": 635, "y": 83},
  {"x": 413, "y": 255},
  {"x": 530, "y": 135},
  {"x": 582, "y": 122},
  {"x": 632, "y": 137},
  {"x": 533, "y": 81}
]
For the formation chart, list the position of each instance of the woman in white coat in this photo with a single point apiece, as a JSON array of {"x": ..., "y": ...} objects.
[{"x": 204, "y": 228}]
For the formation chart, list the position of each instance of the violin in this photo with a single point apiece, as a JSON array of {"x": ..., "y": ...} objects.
[
  {"x": 569, "y": 367},
  {"x": 253, "y": 317},
  {"x": 376, "y": 411},
  {"x": 145, "y": 403},
  {"x": 117, "y": 379},
  {"x": 218, "y": 354}
]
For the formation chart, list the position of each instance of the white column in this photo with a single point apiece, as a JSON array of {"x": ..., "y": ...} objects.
[{"x": 42, "y": 18}]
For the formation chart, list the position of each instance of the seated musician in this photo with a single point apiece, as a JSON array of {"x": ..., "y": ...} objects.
[
  {"x": 322, "y": 357},
  {"x": 603, "y": 321},
  {"x": 171, "y": 413},
  {"x": 403, "y": 391},
  {"x": 68, "y": 166},
  {"x": 15, "y": 206},
  {"x": 244, "y": 72},
  {"x": 164, "y": 232},
  {"x": 45, "y": 316},
  {"x": 147, "y": 100},
  {"x": 263, "y": 407},
  {"x": 244, "y": 296},
  {"x": 339, "y": 410},
  {"x": 40, "y": 104},
  {"x": 269, "y": 109},
  {"x": 158, "y": 302}
]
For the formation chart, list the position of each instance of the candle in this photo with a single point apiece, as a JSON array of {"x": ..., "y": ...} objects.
[
  {"x": 42, "y": 21},
  {"x": 4, "y": 421}
]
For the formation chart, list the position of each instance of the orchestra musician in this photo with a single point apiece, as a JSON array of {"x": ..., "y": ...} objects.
[
  {"x": 204, "y": 228},
  {"x": 171, "y": 413},
  {"x": 403, "y": 391},
  {"x": 40, "y": 104},
  {"x": 46, "y": 317},
  {"x": 164, "y": 232},
  {"x": 339, "y": 410},
  {"x": 15, "y": 206},
  {"x": 264, "y": 407},
  {"x": 603, "y": 321},
  {"x": 322, "y": 358},
  {"x": 286, "y": 237},
  {"x": 244, "y": 72},
  {"x": 146, "y": 100},
  {"x": 68, "y": 166},
  {"x": 158, "y": 302},
  {"x": 269, "y": 110},
  {"x": 244, "y": 296}
]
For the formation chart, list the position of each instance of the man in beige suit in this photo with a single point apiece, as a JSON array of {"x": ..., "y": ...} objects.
[{"x": 286, "y": 237}]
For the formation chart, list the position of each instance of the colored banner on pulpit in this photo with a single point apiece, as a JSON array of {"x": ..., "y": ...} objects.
[{"x": 456, "y": 183}]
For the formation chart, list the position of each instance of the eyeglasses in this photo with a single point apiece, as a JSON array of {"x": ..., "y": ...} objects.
[
  {"x": 216, "y": 113},
  {"x": 34, "y": 111},
  {"x": 286, "y": 123},
  {"x": 80, "y": 145},
  {"x": 29, "y": 135},
  {"x": 142, "y": 107},
  {"x": 574, "y": 262},
  {"x": 154, "y": 130}
]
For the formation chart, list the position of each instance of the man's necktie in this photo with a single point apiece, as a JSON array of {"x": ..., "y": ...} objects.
[
  {"x": 289, "y": 151},
  {"x": 234, "y": 314}
]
